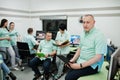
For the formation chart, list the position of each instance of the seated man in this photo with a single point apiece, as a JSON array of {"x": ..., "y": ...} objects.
[
  {"x": 90, "y": 54},
  {"x": 6, "y": 70},
  {"x": 46, "y": 46},
  {"x": 30, "y": 40}
]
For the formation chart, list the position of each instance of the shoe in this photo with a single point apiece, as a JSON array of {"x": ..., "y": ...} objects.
[
  {"x": 16, "y": 65},
  {"x": 56, "y": 77},
  {"x": 20, "y": 63},
  {"x": 46, "y": 77},
  {"x": 15, "y": 69},
  {"x": 7, "y": 78},
  {"x": 37, "y": 76},
  {"x": 42, "y": 77},
  {"x": 22, "y": 68},
  {"x": 12, "y": 76}
]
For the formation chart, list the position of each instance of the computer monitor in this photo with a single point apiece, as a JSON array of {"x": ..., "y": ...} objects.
[
  {"x": 114, "y": 65},
  {"x": 40, "y": 35},
  {"x": 75, "y": 40}
]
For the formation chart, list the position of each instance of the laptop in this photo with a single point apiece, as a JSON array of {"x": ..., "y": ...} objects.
[{"x": 64, "y": 59}]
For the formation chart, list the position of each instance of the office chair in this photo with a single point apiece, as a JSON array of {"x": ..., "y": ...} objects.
[
  {"x": 114, "y": 71},
  {"x": 53, "y": 68},
  {"x": 24, "y": 52},
  {"x": 110, "y": 51}
]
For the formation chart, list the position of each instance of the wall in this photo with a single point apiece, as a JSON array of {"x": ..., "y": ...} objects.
[
  {"x": 16, "y": 11},
  {"x": 46, "y": 5},
  {"x": 108, "y": 25},
  {"x": 106, "y": 12},
  {"x": 15, "y": 4},
  {"x": 26, "y": 13}
]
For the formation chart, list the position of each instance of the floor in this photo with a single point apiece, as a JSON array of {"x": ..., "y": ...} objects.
[{"x": 27, "y": 74}]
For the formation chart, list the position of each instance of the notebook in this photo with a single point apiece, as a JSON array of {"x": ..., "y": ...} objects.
[
  {"x": 64, "y": 43},
  {"x": 40, "y": 55},
  {"x": 64, "y": 59}
]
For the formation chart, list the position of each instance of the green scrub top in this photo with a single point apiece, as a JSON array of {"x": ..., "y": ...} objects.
[
  {"x": 92, "y": 43},
  {"x": 13, "y": 35},
  {"x": 47, "y": 47},
  {"x": 61, "y": 38},
  {"x": 4, "y": 33},
  {"x": 31, "y": 42}
]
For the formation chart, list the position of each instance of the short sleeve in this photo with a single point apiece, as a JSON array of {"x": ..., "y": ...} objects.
[
  {"x": 33, "y": 41},
  {"x": 100, "y": 44},
  {"x": 81, "y": 39}
]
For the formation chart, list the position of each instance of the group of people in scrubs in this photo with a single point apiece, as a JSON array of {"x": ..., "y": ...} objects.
[
  {"x": 87, "y": 60},
  {"x": 8, "y": 44},
  {"x": 8, "y": 39},
  {"x": 47, "y": 47}
]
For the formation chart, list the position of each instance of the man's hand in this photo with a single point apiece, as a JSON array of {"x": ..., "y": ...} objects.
[
  {"x": 62, "y": 46},
  {"x": 58, "y": 43},
  {"x": 47, "y": 55}
]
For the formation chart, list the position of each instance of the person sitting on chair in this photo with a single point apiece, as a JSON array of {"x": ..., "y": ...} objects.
[
  {"x": 90, "y": 55},
  {"x": 30, "y": 40},
  {"x": 49, "y": 50},
  {"x": 6, "y": 70}
]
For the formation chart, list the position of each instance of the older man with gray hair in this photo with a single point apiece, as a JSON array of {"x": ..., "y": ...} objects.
[{"x": 90, "y": 55}]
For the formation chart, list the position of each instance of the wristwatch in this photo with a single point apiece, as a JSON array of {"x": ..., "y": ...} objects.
[{"x": 81, "y": 65}]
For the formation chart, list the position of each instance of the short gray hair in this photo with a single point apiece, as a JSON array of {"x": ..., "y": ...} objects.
[{"x": 86, "y": 15}]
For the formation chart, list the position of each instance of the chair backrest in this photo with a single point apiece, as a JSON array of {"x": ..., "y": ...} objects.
[
  {"x": 23, "y": 45},
  {"x": 23, "y": 49},
  {"x": 114, "y": 64}
]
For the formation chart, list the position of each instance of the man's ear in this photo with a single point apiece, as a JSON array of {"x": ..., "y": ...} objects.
[{"x": 94, "y": 21}]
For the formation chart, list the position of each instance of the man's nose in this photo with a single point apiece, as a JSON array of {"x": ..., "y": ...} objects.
[{"x": 85, "y": 24}]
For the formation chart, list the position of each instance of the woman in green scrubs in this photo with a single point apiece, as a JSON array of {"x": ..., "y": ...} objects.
[
  {"x": 61, "y": 37},
  {"x": 14, "y": 35}
]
